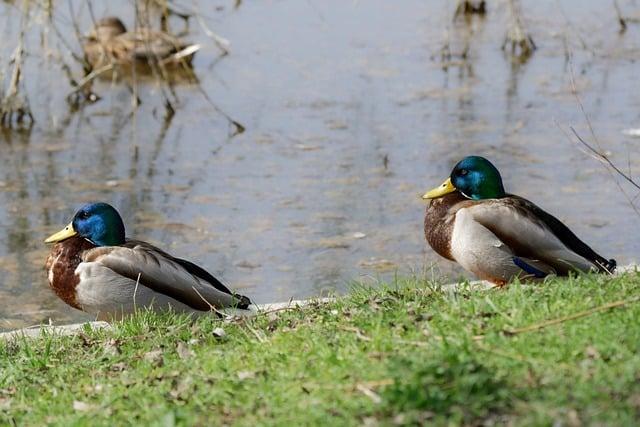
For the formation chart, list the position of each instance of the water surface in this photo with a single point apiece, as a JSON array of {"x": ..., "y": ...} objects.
[{"x": 350, "y": 115}]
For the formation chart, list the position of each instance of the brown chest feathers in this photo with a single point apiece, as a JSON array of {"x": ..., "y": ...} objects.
[
  {"x": 61, "y": 265},
  {"x": 438, "y": 223}
]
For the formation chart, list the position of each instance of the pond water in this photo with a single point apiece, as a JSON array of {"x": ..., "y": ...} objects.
[{"x": 350, "y": 114}]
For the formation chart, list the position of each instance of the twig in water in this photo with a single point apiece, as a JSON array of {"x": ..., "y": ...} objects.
[
  {"x": 569, "y": 26},
  {"x": 238, "y": 127},
  {"x": 602, "y": 157},
  {"x": 13, "y": 105},
  {"x": 221, "y": 42},
  {"x": 90, "y": 77},
  {"x": 468, "y": 7},
  {"x": 599, "y": 156},
  {"x": 521, "y": 43},
  {"x": 598, "y": 153},
  {"x": 621, "y": 20},
  {"x": 78, "y": 34}
]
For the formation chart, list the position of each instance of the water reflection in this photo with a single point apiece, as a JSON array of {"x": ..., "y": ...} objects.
[{"x": 350, "y": 114}]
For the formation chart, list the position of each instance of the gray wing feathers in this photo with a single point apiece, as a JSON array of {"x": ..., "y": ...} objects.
[
  {"x": 527, "y": 235},
  {"x": 161, "y": 274}
]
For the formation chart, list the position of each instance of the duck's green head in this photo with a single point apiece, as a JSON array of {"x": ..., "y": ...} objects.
[
  {"x": 475, "y": 177},
  {"x": 99, "y": 223}
]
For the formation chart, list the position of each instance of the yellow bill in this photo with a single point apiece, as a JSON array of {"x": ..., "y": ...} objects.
[
  {"x": 446, "y": 188},
  {"x": 63, "y": 234}
]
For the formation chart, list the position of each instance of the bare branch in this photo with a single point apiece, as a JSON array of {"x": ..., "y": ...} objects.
[{"x": 602, "y": 157}]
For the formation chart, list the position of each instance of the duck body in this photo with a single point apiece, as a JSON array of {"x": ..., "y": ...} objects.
[
  {"x": 109, "y": 43},
  {"x": 504, "y": 237},
  {"x": 112, "y": 281}
]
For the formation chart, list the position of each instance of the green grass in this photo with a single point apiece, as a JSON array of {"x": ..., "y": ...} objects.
[{"x": 405, "y": 354}]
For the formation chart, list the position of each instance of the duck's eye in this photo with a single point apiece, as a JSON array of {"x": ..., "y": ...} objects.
[
  {"x": 83, "y": 215},
  {"x": 463, "y": 172}
]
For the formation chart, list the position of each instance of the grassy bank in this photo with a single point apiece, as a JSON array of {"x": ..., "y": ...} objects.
[{"x": 407, "y": 353}]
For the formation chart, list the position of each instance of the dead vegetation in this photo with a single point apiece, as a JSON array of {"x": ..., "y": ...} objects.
[
  {"x": 517, "y": 42},
  {"x": 66, "y": 49},
  {"x": 470, "y": 7},
  {"x": 625, "y": 19},
  {"x": 594, "y": 149},
  {"x": 462, "y": 37},
  {"x": 14, "y": 107}
]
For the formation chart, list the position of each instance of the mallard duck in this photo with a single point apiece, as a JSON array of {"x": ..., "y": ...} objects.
[
  {"x": 95, "y": 268},
  {"x": 109, "y": 43},
  {"x": 500, "y": 236}
]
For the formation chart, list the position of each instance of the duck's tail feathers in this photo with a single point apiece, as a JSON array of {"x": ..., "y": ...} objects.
[
  {"x": 609, "y": 266},
  {"x": 243, "y": 302}
]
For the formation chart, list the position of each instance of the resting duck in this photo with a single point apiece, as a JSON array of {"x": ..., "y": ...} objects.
[
  {"x": 94, "y": 268},
  {"x": 109, "y": 43},
  {"x": 499, "y": 236}
]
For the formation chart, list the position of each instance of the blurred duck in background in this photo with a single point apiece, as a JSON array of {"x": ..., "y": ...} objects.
[{"x": 109, "y": 44}]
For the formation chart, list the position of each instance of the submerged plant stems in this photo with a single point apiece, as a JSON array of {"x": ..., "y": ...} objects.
[{"x": 13, "y": 105}]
